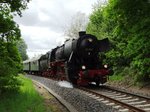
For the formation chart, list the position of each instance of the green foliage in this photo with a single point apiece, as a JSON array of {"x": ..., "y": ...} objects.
[
  {"x": 8, "y": 73},
  {"x": 14, "y": 5},
  {"x": 22, "y": 47},
  {"x": 126, "y": 23},
  {"x": 9, "y": 30},
  {"x": 10, "y": 61},
  {"x": 10, "y": 65},
  {"x": 116, "y": 78}
]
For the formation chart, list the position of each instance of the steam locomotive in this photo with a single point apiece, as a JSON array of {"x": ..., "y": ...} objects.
[{"x": 77, "y": 60}]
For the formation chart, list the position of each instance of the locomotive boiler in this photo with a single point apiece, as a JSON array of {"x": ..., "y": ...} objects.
[{"x": 77, "y": 60}]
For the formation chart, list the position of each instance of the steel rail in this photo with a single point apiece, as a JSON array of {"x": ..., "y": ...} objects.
[
  {"x": 121, "y": 91},
  {"x": 130, "y": 107}
]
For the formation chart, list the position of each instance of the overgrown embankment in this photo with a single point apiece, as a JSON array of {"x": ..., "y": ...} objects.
[{"x": 26, "y": 99}]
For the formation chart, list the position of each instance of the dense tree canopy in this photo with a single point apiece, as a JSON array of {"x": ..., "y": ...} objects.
[
  {"x": 127, "y": 24},
  {"x": 10, "y": 61}
]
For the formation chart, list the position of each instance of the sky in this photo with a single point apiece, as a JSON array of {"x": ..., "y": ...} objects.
[{"x": 43, "y": 23}]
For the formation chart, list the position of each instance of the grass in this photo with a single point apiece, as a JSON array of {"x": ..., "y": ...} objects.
[
  {"x": 116, "y": 78},
  {"x": 26, "y": 99}
]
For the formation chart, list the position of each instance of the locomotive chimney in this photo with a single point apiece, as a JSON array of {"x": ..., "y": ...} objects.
[{"x": 81, "y": 33}]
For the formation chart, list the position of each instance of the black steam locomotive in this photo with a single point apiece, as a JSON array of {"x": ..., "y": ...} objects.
[{"x": 77, "y": 60}]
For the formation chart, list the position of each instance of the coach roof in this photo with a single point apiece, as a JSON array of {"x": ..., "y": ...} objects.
[{"x": 32, "y": 59}]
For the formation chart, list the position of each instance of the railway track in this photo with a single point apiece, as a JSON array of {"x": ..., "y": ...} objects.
[{"x": 122, "y": 101}]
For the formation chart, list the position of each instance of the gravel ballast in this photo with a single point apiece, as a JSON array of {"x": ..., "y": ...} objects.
[{"x": 79, "y": 100}]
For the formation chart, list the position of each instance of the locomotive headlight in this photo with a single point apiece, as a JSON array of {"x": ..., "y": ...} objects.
[
  {"x": 83, "y": 67},
  {"x": 90, "y": 40},
  {"x": 105, "y": 66}
]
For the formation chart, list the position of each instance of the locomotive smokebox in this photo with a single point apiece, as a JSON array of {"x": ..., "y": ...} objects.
[{"x": 81, "y": 33}]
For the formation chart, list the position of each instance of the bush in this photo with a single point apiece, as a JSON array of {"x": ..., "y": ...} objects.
[
  {"x": 8, "y": 73},
  {"x": 10, "y": 66}
]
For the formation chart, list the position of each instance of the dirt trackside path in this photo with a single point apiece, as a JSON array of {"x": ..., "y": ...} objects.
[
  {"x": 51, "y": 103},
  {"x": 143, "y": 90}
]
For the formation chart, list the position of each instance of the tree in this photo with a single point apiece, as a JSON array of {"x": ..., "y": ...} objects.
[
  {"x": 78, "y": 23},
  {"x": 15, "y": 6},
  {"x": 10, "y": 61},
  {"x": 126, "y": 24},
  {"x": 22, "y": 47}
]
